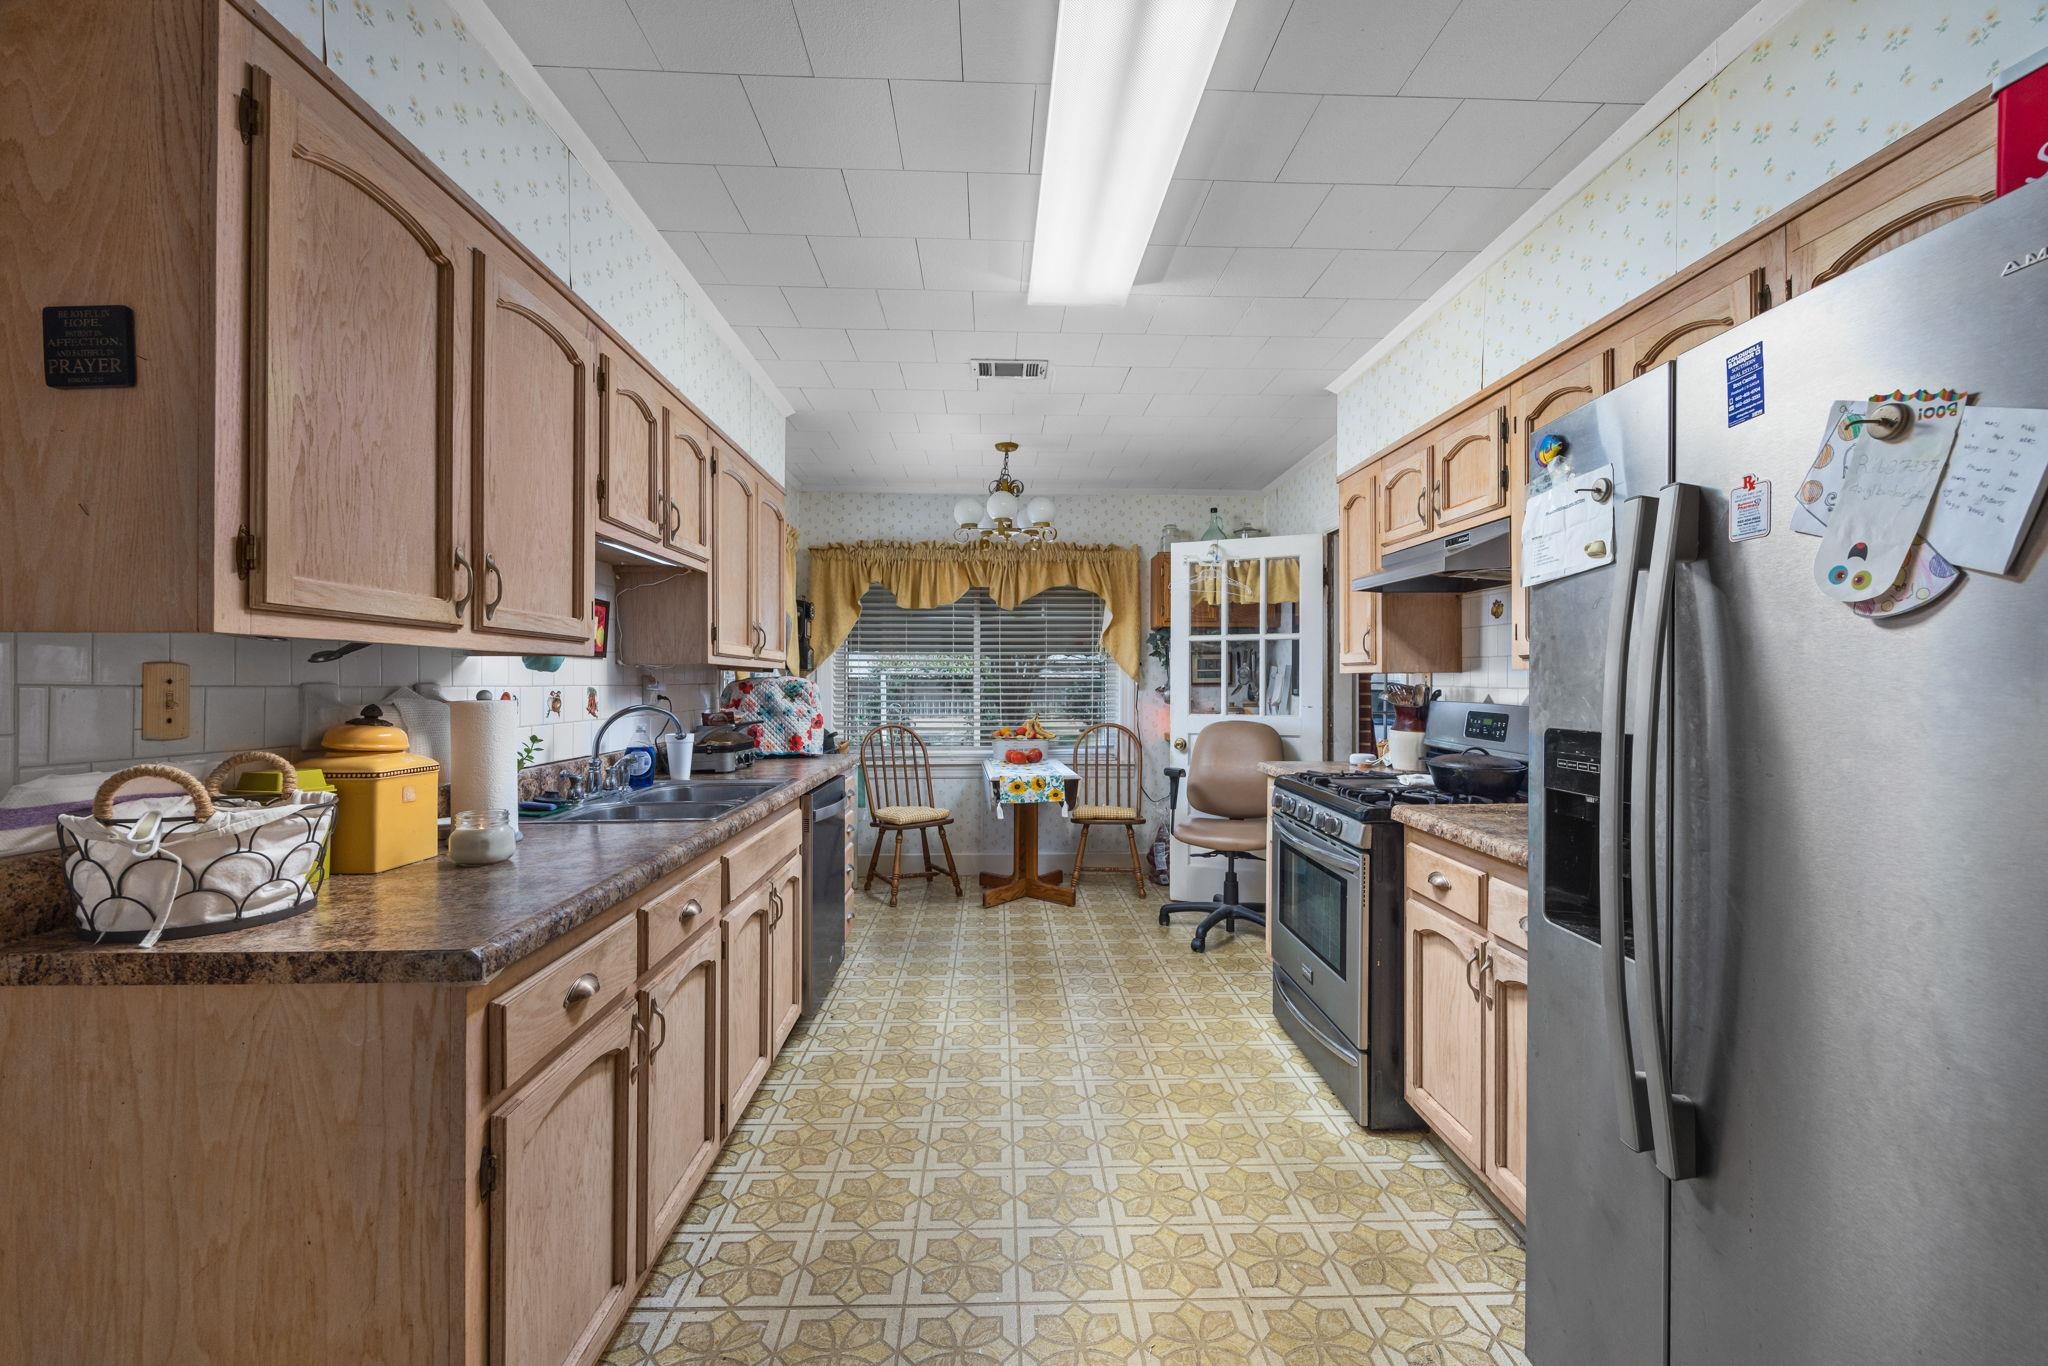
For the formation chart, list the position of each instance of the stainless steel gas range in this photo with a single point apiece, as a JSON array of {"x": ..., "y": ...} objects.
[{"x": 1336, "y": 911}]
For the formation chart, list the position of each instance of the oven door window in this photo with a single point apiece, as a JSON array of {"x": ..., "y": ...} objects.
[{"x": 1314, "y": 906}]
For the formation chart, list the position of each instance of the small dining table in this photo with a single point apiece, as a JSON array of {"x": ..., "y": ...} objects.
[{"x": 1024, "y": 788}]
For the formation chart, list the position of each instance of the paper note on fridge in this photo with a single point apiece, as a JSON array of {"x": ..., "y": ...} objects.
[
  {"x": 1995, "y": 479},
  {"x": 1565, "y": 530},
  {"x": 1886, "y": 487}
]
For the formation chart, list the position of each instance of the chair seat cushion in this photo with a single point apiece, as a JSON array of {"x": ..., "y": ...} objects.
[
  {"x": 912, "y": 815},
  {"x": 1236, "y": 837},
  {"x": 1105, "y": 813}
]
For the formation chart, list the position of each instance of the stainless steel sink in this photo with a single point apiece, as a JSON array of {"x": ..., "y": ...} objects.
[{"x": 672, "y": 801}]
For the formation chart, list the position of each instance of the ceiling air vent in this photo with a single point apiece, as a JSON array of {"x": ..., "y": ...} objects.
[{"x": 1011, "y": 369}]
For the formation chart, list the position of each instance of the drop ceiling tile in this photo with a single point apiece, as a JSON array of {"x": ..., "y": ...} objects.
[
  {"x": 594, "y": 33},
  {"x": 1342, "y": 47},
  {"x": 1088, "y": 379},
  {"x": 1254, "y": 24},
  {"x": 752, "y": 305},
  {"x": 1511, "y": 49},
  {"x": 1241, "y": 213},
  {"x": 909, "y": 203},
  {"x": 759, "y": 259},
  {"x": 966, "y": 346},
  {"x": 685, "y": 198},
  {"x": 1105, "y": 404},
  {"x": 971, "y": 264},
  {"x": 885, "y": 423},
  {"x": 1370, "y": 215},
  {"x": 856, "y": 374},
  {"x": 1007, "y": 40},
  {"x": 789, "y": 200},
  {"x": 1212, "y": 353},
  {"x": 754, "y": 340},
  {"x": 1434, "y": 278},
  {"x": 1302, "y": 381},
  {"x": 1047, "y": 403},
  {"x": 1138, "y": 349},
  {"x": 962, "y": 125},
  {"x": 690, "y": 249},
  {"x": 809, "y": 343},
  {"x": 1013, "y": 424},
  {"x": 1041, "y": 108},
  {"x": 1242, "y": 135},
  {"x": 1161, "y": 379},
  {"x": 1167, "y": 270},
  {"x": 797, "y": 374},
  {"x": 1365, "y": 139},
  {"x": 1367, "y": 317},
  {"x": 1250, "y": 405},
  {"x": 841, "y": 400},
  {"x": 868, "y": 262},
  {"x": 1631, "y": 58},
  {"x": 1061, "y": 348},
  {"x": 1469, "y": 218},
  {"x": 1298, "y": 353},
  {"x": 1370, "y": 274},
  {"x": 1494, "y": 142},
  {"x": 1182, "y": 405},
  {"x": 911, "y": 401},
  {"x": 1003, "y": 206},
  {"x": 1237, "y": 382},
  {"x": 1285, "y": 317},
  {"x": 835, "y": 308},
  {"x": 820, "y": 121},
  {"x": 677, "y": 117},
  {"x": 1076, "y": 424},
  {"x": 879, "y": 345},
  {"x": 578, "y": 91},
  {"x": 1276, "y": 272},
  {"x": 1198, "y": 317},
  {"x": 995, "y": 401},
  {"x": 1584, "y": 141},
  {"x": 928, "y": 309},
  {"x": 947, "y": 423},
  {"x": 753, "y": 37},
  {"x": 911, "y": 38},
  {"x": 1007, "y": 311},
  {"x": 946, "y": 376},
  {"x": 1132, "y": 315},
  {"x": 1178, "y": 209}
]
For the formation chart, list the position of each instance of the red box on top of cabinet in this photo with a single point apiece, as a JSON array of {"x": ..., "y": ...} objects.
[{"x": 2022, "y": 92}]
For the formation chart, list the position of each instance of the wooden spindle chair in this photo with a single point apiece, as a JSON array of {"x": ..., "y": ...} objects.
[
  {"x": 897, "y": 768},
  {"x": 1110, "y": 790}
]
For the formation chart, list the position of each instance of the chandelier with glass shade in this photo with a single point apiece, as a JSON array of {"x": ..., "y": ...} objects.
[{"x": 1005, "y": 518}]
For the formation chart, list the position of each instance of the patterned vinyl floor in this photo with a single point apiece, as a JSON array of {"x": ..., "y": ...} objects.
[{"x": 1052, "y": 1135}]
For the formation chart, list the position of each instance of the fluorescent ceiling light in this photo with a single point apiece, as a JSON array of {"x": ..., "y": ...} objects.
[{"x": 1126, "y": 77}]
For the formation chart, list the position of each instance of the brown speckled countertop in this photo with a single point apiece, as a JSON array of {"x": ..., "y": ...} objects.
[
  {"x": 430, "y": 921},
  {"x": 1280, "y": 768},
  {"x": 1500, "y": 831}
]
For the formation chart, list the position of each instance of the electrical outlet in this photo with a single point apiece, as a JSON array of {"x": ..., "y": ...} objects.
[{"x": 166, "y": 700}]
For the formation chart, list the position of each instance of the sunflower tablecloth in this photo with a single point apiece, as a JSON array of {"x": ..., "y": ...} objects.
[{"x": 1012, "y": 784}]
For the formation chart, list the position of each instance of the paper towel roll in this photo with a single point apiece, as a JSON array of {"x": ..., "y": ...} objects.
[{"x": 483, "y": 767}]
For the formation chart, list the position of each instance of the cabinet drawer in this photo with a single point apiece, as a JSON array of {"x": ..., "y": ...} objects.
[
  {"x": 1450, "y": 882},
  {"x": 1507, "y": 912},
  {"x": 534, "y": 1018},
  {"x": 672, "y": 912},
  {"x": 759, "y": 852}
]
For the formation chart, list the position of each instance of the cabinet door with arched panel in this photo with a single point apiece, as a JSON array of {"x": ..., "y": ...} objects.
[
  {"x": 1469, "y": 483},
  {"x": 1541, "y": 397},
  {"x": 631, "y": 494},
  {"x": 1716, "y": 299}
]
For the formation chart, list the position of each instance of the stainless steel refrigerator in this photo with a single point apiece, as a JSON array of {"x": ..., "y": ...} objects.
[{"x": 1789, "y": 975}]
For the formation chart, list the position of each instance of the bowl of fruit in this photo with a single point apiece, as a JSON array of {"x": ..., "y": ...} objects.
[{"x": 1025, "y": 744}]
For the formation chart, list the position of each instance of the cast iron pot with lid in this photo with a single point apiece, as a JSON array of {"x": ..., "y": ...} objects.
[{"x": 1475, "y": 773}]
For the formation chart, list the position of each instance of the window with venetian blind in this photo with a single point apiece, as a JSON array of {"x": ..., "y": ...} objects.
[{"x": 955, "y": 673}]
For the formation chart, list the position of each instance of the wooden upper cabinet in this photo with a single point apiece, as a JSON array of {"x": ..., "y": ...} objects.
[
  {"x": 1718, "y": 298},
  {"x": 631, "y": 493},
  {"x": 561, "y": 1215},
  {"x": 679, "y": 1090},
  {"x": 1537, "y": 399},
  {"x": 1470, "y": 484},
  {"x": 1357, "y": 556},
  {"x": 1938, "y": 182},
  {"x": 733, "y": 499},
  {"x": 358, "y": 324},
  {"x": 771, "y": 613},
  {"x": 1505, "y": 1153},
  {"x": 688, "y": 527},
  {"x": 1402, "y": 509},
  {"x": 532, "y": 573}
]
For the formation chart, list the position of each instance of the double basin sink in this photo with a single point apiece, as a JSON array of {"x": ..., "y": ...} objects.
[{"x": 669, "y": 801}]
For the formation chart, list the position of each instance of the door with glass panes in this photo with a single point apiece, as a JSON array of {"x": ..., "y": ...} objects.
[{"x": 1247, "y": 645}]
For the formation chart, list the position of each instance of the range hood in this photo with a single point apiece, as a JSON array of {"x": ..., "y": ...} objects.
[{"x": 1459, "y": 563}]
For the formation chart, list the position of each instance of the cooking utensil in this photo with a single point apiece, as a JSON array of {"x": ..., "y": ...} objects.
[{"x": 1475, "y": 773}]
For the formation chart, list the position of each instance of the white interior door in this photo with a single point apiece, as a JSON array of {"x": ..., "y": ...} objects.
[{"x": 1247, "y": 645}]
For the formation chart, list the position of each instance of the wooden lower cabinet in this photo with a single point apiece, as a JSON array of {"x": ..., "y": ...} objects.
[
  {"x": 748, "y": 1049},
  {"x": 1505, "y": 1153},
  {"x": 785, "y": 950},
  {"x": 1445, "y": 1062},
  {"x": 562, "y": 1206},
  {"x": 680, "y": 1134}
]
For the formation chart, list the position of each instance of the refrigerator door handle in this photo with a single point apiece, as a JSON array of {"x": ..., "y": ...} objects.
[
  {"x": 1633, "y": 520},
  {"x": 1675, "y": 538}
]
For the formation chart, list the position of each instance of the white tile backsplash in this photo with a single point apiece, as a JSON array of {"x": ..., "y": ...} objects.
[
  {"x": 90, "y": 723},
  {"x": 117, "y": 660},
  {"x": 43, "y": 657},
  {"x": 212, "y": 658},
  {"x": 262, "y": 663},
  {"x": 1489, "y": 674},
  {"x": 33, "y": 713},
  {"x": 234, "y": 718},
  {"x": 7, "y": 683}
]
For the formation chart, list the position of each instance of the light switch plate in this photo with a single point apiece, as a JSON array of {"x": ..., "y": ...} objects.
[{"x": 166, "y": 700}]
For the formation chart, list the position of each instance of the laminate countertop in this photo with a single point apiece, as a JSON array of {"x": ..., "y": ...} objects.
[
  {"x": 1498, "y": 831},
  {"x": 429, "y": 921}
]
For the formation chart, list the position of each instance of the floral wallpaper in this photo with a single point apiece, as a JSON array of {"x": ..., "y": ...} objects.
[
  {"x": 1829, "y": 86},
  {"x": 418, "y": 65},
  {"x": 1305, "y": 498}
]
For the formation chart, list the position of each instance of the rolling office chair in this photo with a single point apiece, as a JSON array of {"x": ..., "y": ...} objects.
[{"x": 1225, "y": 783}]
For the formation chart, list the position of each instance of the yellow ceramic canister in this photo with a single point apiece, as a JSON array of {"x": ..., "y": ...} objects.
[{"x": 389, "y": 797}]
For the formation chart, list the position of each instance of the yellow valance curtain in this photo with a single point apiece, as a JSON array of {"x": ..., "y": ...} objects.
[
  {"x": 1283, "y": 572},
  {"x": 934, "y": 573}
]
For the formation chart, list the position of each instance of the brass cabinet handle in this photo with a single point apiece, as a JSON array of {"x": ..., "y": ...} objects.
[
  {"x": 1440, "y": 882},
  {"x": 493, "y": 575},
  {"x": 468, "y": 581},
  {"x": 654, "y": 1045},
  {"x": 581, "y": 990}
]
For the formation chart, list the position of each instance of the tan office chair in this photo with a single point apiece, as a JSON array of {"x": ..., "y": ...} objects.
[
  {"x": 1224, "y": 783},
  {"x": 897, "y": 768},
  {"x": 1109, "y": 790}
]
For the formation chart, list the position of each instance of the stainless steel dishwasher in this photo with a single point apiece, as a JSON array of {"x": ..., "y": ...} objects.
[{"x": 825, "y": 898}]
